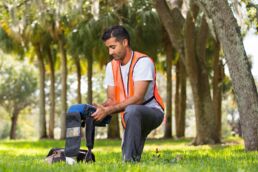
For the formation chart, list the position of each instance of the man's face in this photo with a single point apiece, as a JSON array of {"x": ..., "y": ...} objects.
[{"x": 116, "y": 49}]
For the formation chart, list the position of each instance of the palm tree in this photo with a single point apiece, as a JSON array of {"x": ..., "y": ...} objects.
[
  {"x": 51, "y": 61},
  {"x": 38, "y": 37},
  {"x": 23, "y": 32}
]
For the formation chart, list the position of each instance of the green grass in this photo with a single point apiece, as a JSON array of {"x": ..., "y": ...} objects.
[{"x": 173, "y": 155}]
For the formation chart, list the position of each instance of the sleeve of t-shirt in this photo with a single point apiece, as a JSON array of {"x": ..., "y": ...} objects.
[
  {"x": 144, "y": 70},
  {"x": 109, "y": 79}
]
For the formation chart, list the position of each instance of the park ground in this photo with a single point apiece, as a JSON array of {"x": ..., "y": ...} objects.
[{"x": 159, "y": 155}]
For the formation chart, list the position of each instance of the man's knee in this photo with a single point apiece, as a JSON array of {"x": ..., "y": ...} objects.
[
  {"x": 130, "y": 108},
  {"x": 132, "y": 112}
]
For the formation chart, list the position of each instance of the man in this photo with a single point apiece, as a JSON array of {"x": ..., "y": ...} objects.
[{"x": 131, "y": 90}]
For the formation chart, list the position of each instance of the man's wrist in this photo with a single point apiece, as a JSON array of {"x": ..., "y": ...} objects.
[
  {"x": 112, "y": 109},
  {"x": 105, "y": 104},
  {"x": 108, "y": 110}
]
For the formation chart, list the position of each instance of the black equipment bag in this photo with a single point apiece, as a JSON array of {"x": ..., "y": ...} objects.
[
  {"x": 78, "y": 116},
  {"x": 57, "y": 155}
]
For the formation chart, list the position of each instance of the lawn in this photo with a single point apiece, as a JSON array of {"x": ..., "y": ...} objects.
[{"x": 172, "y": 155}]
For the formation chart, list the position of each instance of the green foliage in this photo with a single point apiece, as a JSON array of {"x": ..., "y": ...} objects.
[
  {"x": 85, "y": 39},
  {"x": 147, "y": 30},
  {"x": 158, "y": 155},
  {"x": 17, "y": 85},
  {"x": 7, "y": 44},
  {"x": 252, "y": 12},
  {"x": 227, "y": 84}
]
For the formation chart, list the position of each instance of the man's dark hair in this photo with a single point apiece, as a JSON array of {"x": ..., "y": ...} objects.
[{"x": 118, "y": 32}]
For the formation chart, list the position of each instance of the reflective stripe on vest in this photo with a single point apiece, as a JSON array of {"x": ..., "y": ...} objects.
[{"x": 120, "y": 93}]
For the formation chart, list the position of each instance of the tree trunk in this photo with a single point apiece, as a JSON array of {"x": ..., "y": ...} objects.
[
  {"x": 89, "y": 74},
  {"x": 217, "y": 88},
  {"x": 42, "y": 103},
  {"x": 113, "y": 128},
  {"x": 243, "y": 82},
  {"x": 169, "y": 57},
  {"x": 64, "y": 86},
  {"x": 173, "y": 22},
  {"x": 182, "y": 102},
  {"x": 195, "y": 64},
  {"x": 177, "y": 101},
  {"x": 78, "y": 72},
  {"x": 14, "y": 120},
  {"x": 51, "y": 125},
  {"x": 79, "y": 96}
]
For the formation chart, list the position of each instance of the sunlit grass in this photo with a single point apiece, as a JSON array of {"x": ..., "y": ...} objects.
[{"x": 159, "y": 155}]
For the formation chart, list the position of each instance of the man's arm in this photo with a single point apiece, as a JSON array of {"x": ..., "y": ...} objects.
[
  {"x": 110, "y": 97},
  {"x": 140, "y": 88}
]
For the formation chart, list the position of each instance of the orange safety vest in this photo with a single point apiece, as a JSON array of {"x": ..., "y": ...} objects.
[{"x": 120, "y": 94}]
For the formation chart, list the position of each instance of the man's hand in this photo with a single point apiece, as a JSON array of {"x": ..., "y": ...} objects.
[{"x": 100, "y": 113}]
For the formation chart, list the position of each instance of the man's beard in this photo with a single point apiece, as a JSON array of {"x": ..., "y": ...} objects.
[{"x": 119, "y": 57}]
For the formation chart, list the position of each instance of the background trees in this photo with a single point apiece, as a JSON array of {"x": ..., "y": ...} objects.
[
  {"x": 17, "y": 91},
  {"x": 189, "y": 35},
  {"x": 239, "y": 68},
  {"x": 191, "y": 45},
  {"x": 187, "y": 39}
]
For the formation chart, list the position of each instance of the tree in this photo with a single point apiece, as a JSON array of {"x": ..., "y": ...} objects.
[
  {"x": 51, "y": 61},
  {"x": 169, "y": 58},
  {"x": 189, "y": 36},
  {"x": 16, "y": 92},
  {"x": 217, "y": 85},
  {"x": 39, "y": 38},
  {"x": 19, "y": 27},
  {"x": 46, "y": 21},
  {"x": 58, "y": 31},
  {"x": 74, "y": 43},
  {"x": 42, "y": 101},
  {"x": 243, "y": 82},
  {"x": 180, "y": 99},
  {"x": 59, "y": 25},
  {"x": 113, "y": 128}
]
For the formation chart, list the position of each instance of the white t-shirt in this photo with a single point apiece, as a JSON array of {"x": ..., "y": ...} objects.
[{"x": 143, "y": 71}]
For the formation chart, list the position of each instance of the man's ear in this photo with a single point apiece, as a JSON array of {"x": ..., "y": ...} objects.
[{"x": 125, "y": 42}]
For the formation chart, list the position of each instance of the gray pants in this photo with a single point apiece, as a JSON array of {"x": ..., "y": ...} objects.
[{"x": 140, "y": 120}]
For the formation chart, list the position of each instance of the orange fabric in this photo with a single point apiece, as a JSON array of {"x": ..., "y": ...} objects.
[{"x": 120, "y": 92}]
